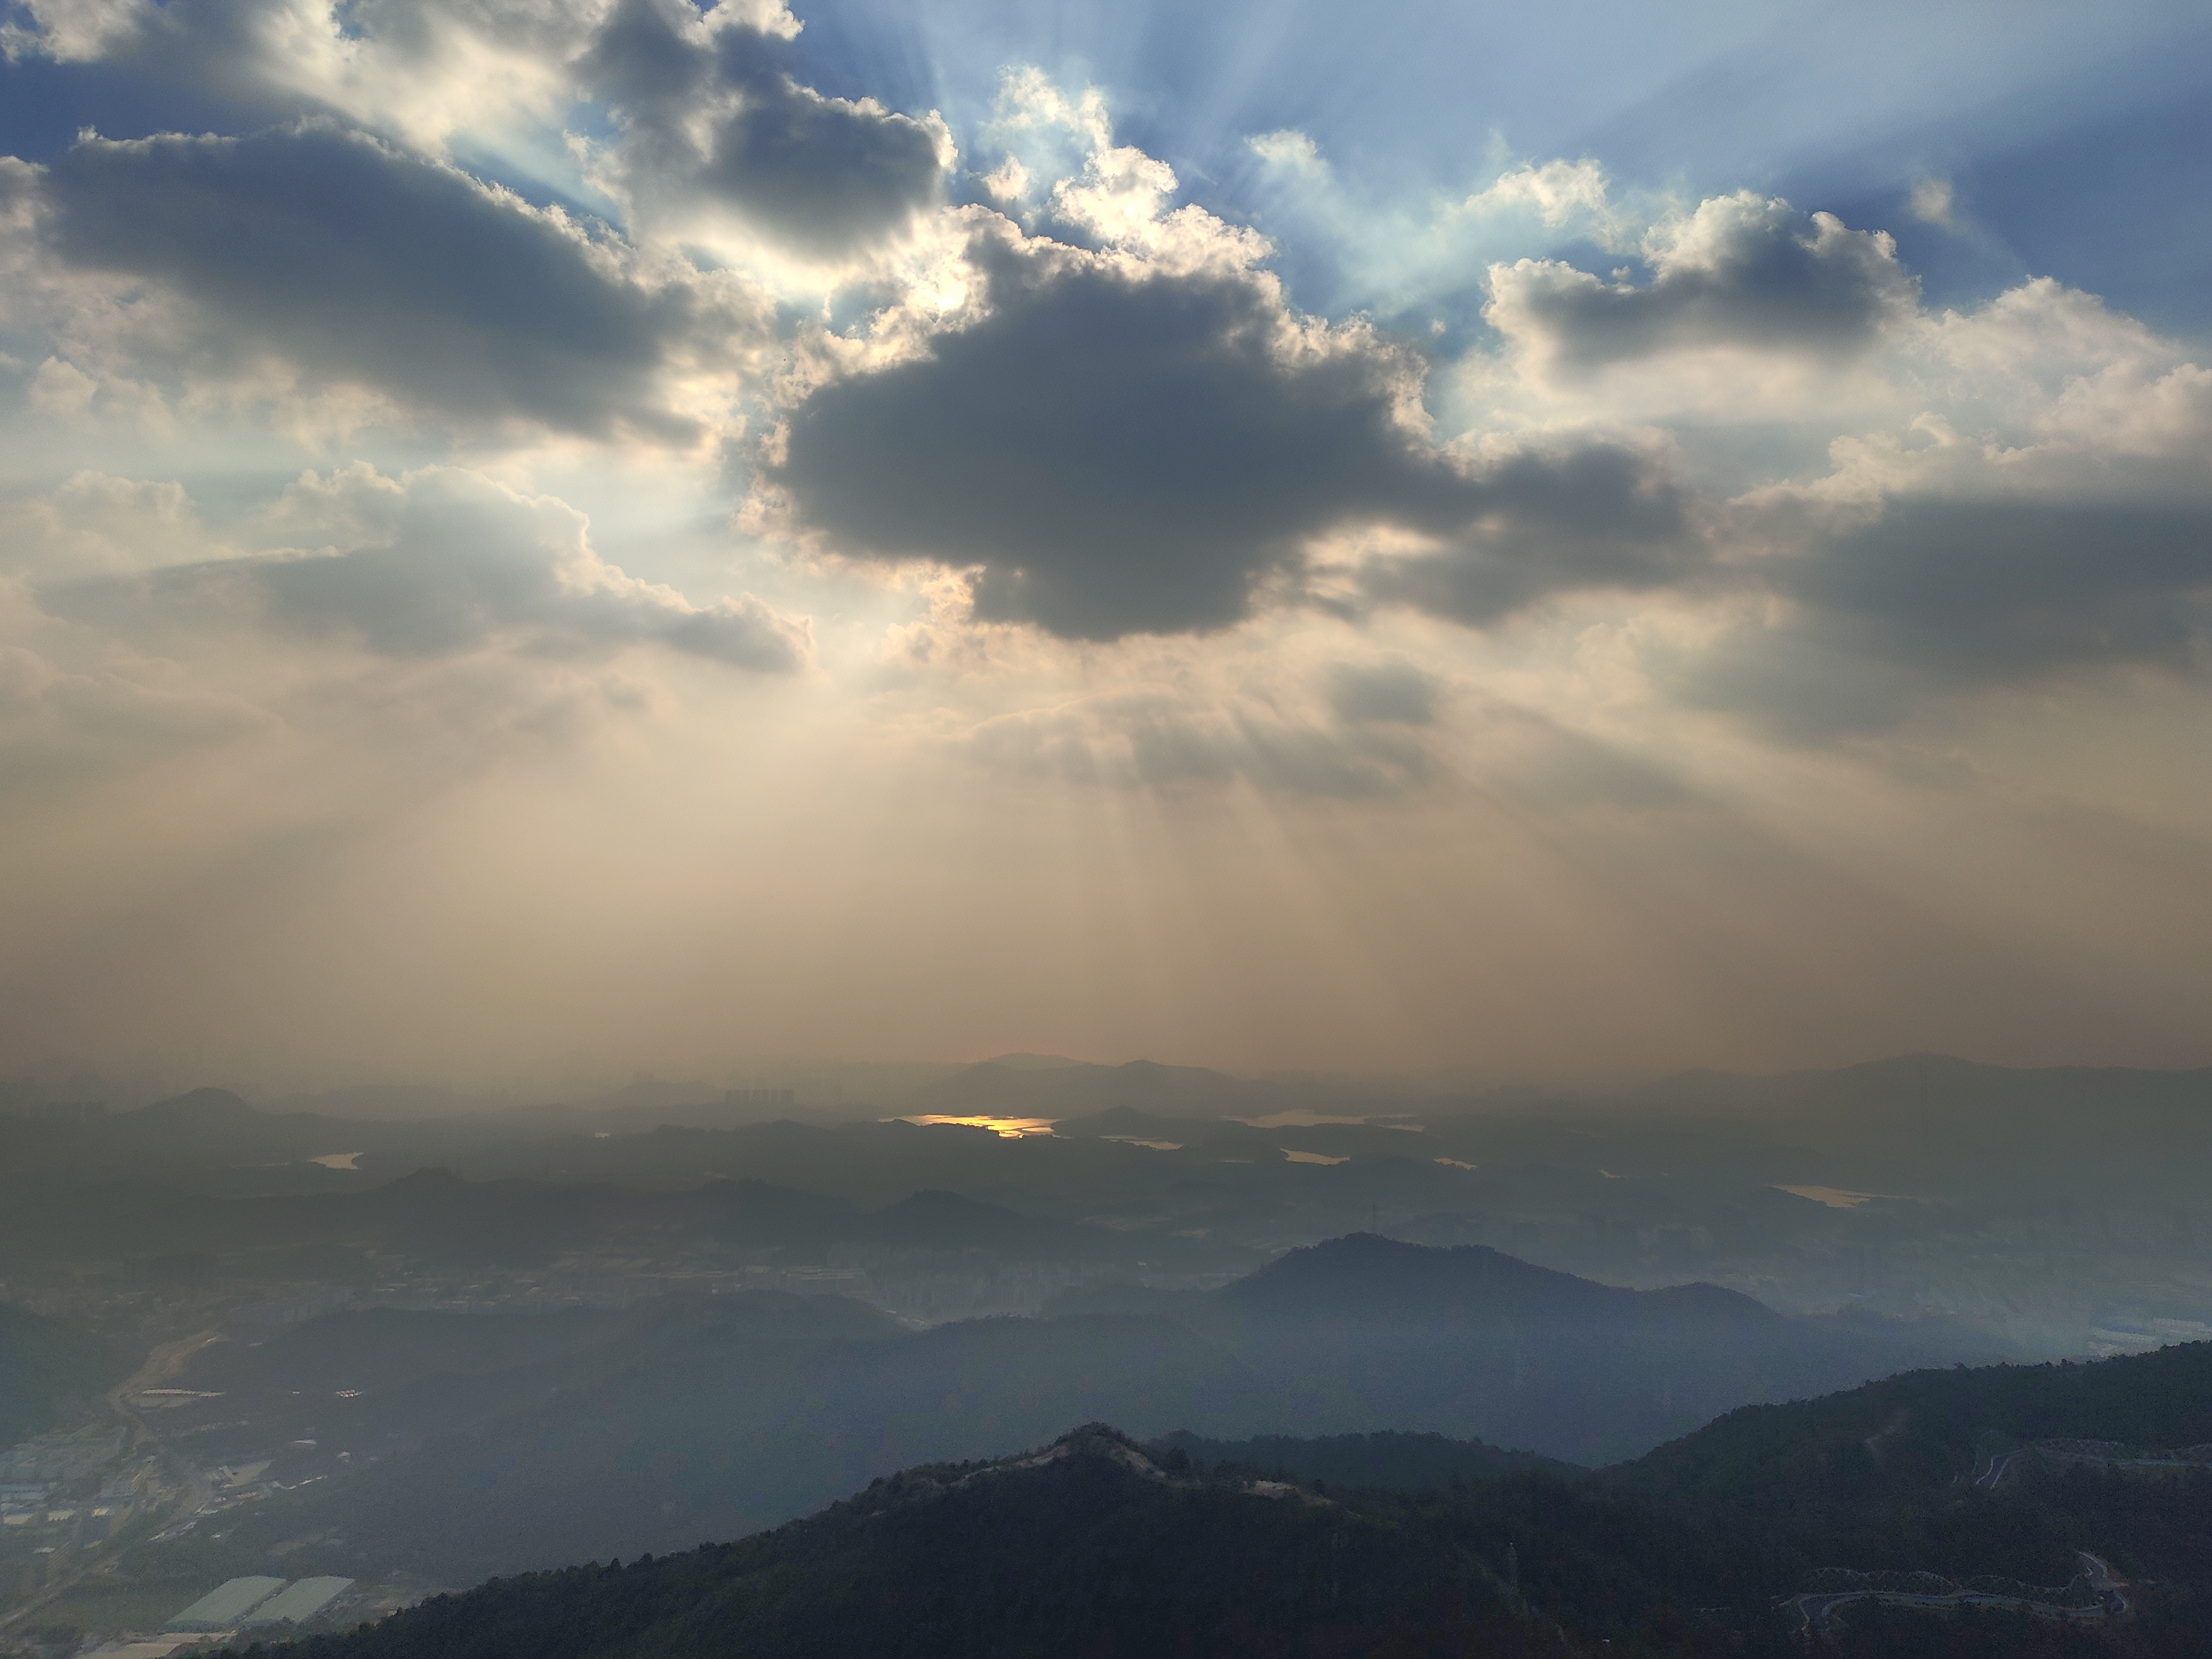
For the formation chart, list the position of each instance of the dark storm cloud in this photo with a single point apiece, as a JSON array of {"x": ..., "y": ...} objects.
[
  {"x": 1598, "y": 517},
  {"x": 360, "y": 266},
  {"x": 452, "y": 562},
  {"x": 1126, "y": 452},
  {"x": 1943, "y": 596},
  {"x": 1741, "y": 271},
  {"x": 715, "y": 114}
]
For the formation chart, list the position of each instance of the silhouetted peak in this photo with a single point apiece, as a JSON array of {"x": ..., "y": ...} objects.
[
  {"x": 1704, "y": 1301},
  {"x": 1026, "y": 1062},
  {"x": 1363, "y": 1277},
  {"x": 1364, "y": 1273},
  {"x": 1363, "y": 1284},
  {"x": 1363, "y": 1252},
  {"x": 1101, "y": 1442},
  {"x": 1153, "y": 1071}
]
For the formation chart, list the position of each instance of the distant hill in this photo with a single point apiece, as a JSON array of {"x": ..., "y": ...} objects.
[
  {"x": 397, "y": 1103},
  {"x": 1026, "y": 1062},
  {"x": 946, "y": 1221},
  {"x": 754, "y": 1213},
  {"x": 1822, "y": 1482},
  {"x": 713, "y": 1418},
  {"x": 433, "y": 1215},
  {"x": 1363, "y": 1332},
  {"x": 696, "y": 1420},
  {"x": 1388, "y": 1461},
  {"x": 436, "y": 1215},
  {"x": 1097, "y": 1545},
  {"x": 197, "y": 1111},
  {"x": 1086, "y": 1549},
  {"x": 1365, "y": 1281},
  {"x": 1074, "y": 1091}
]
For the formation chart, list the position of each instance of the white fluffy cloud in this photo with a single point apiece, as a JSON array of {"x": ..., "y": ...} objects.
[
  {"x": 310, "y": 261},
  {"x": 93, "y": 523},
  {"x": 1741, "y": 271},
  {"x": 439, "y": 562}
]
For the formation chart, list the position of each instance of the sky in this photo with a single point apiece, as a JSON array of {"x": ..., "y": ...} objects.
[{"x": 1540, "y": 542}]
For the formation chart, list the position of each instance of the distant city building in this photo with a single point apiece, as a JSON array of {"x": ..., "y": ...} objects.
[
  {"x": 123, "y": 1486},
  {"x": 45, "y": 1561},
  {"x": 769, "y": 1100},
  {"x": 225, "y": 1606},
  {"x": 292, "y": 1310},
  {"x": 54, "y": 1459},
  {"x": 299, "y": 1602}
]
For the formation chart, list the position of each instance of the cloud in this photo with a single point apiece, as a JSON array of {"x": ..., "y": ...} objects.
[
  {"x": 711, "y": 117},
  {"x": 352, "y": 264},
  {"x": 1106, "y": 421},
  {"x": 1558, "y": 192},
  {"x": 1743, "y": 271},
  {"x": 1937, "y": 597},
  {"x": 1598, "y": 516},
  {"x": 1932, "y": 203},
  {"x": 1383, "y": 693},
  {"x": 437, "y": 564},
  {"x": 422, "y": 72},
  {"x": 65, "y": 710},
  {"x": 707, "y": 120},
  {"x": 1116, "y": 450},
  {"x": 73, "y": 31},
  {"x": 62, "y": 390},
  {"x": 1289, "y": 148},
  {"x": 55, "y": 721},
  {"x": 2046, "y": 511},
  {"x": 1144, "y": 440},
  {"x": 93, "y": 522}
]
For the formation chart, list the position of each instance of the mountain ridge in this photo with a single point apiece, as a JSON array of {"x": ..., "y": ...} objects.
[{"x": 1096, "y": 1543}]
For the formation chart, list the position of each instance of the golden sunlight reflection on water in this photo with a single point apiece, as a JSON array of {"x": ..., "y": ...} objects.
[
  {"x": 1834, "y": 1197},
  {"x": 1011, "y": 1129}
]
